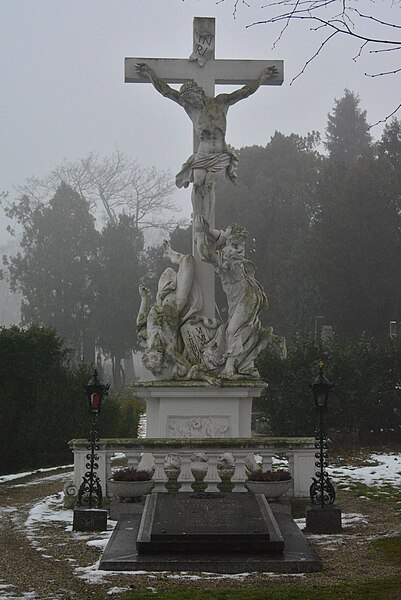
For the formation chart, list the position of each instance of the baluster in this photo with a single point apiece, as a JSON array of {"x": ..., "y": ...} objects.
[
  {"x": 185, "y": 477},
  {"x": 291, "y": 463},
  {"x": 267, "y": 464},
  {"x": 133, "y": 459},
  {"x": 108, "y": 469},
  {"x": 212, "y": 476},
  {"x": 291, "y": 468},
  {"x": 159, "y": 477},
  {"x": 238, "y": 479}
]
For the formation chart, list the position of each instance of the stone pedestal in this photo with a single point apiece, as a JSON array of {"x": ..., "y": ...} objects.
[
  {"x": 326, "y": 519},
  {"x": 90, "y": 519},
  {"x": 198, "y": 410}
]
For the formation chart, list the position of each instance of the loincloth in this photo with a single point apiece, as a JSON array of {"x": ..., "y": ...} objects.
[{"x": 211, "y": 163}]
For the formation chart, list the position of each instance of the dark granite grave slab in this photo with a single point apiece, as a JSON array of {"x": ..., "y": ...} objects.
[
  {"x": 119, "y": 510},
  {"x": 121, "y": 553},
  {"x": 194, "y": 523}
]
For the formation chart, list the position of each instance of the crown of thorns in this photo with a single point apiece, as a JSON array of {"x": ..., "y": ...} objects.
[
  {"x": 192, "y": 86},
  {"x": 238, "y": 231}
]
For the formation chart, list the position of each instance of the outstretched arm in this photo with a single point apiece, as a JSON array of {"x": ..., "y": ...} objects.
[
  {"x": 141, "y": 321},
  {"x": 203, "y": 235},
  {"x": 249, "y": 88},
  {"x": 161, "y": 86},
  {"x": 202, "y": 225}
]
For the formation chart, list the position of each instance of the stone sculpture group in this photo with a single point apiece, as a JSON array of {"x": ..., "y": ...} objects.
[{"x": 180, "y": 341}]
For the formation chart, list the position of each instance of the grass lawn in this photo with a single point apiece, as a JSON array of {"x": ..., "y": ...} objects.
[{"x": 376, "y": 589}]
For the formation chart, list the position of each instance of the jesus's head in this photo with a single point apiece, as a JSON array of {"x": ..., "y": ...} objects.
[{"x": 192, "y": 94}]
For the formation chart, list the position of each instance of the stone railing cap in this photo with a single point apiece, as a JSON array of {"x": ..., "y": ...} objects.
[{"x": 169, "y": 443}]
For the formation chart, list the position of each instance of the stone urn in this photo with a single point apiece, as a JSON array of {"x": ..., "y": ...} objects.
[
  {"x": 129, "y": 491},
  {"x": 226, "y": 469},
  {"x": 129, "y": 484},
  {"x": 172, "y": 469},
  {"x": 199, "y": 469},
  {"x": 271, "y": 489},
  {"x": 272, "y": 484}
]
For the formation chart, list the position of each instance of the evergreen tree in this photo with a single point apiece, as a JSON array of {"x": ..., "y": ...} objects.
[
  {"x": 389, "y": 155},
  {"x": 364, "y": 405},
  {"x": 389, "y": 175},
  {"x": 347, "y": 133},
  {"x": 53, "y": 270},
  {"x": 354, "y": 243},
  {"x": 120, "y": 269},
  {"x": 275, "y": 201},
  {"x": 42, "y": 403}
]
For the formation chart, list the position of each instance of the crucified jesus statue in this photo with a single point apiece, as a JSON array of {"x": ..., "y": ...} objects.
[{"x": 209, "y": 118}]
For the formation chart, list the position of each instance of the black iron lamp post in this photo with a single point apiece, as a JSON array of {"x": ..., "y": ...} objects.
[
  {"x": 90, "y": 490},
  {"x": 322, "y": 492}
]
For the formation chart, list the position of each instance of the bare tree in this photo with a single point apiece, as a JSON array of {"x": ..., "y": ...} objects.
[
  {"x": 333, "y": 19},
  {"x": 113, "y": 184}
]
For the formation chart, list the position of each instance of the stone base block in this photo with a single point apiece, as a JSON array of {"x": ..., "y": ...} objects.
[
  {"x": 89, "y": 519},
  {"x": 198, "y": 410},
  {"x": 326, "y": 519}
]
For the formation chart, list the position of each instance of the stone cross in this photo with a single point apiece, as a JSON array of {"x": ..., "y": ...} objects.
[{"x": 207, "y": 71}]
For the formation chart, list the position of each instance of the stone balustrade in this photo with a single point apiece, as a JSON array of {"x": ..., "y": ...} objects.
[{"x": 151, "y": 453}]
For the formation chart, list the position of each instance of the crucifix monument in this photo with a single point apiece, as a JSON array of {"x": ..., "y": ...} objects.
[
  {"x": 203, "y": 68},
  {"x": 184, "y": 340},
  {"x": 205, "y": 377}
]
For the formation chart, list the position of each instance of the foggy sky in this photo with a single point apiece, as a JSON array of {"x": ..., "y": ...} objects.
[{"x": 63, "y": 91}]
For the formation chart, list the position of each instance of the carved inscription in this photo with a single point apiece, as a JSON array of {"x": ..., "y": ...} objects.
[{"x": 203, "y": 48}]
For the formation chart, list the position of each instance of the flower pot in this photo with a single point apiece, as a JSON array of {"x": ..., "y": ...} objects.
[
  {"x": 128, "y": 491},
  {"x": 271, "y": 489}
]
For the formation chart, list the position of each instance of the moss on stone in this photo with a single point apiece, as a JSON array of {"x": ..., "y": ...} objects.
[
  {"x": 179, "y": 383},
  {"x": 278, "y": 443}
]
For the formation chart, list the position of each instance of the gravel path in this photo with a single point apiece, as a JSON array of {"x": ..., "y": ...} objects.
[{"x": 41, "y": 560}]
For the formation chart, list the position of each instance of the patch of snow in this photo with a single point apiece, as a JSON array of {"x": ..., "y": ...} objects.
[
  {"x": 334, "y": 538},
  {"x": 119, "y": 590},
  {"x": 60, "y": 476},
  {"x": 48, "y": 509},
  {"x": 301, "y": 523},
  {"x": 6, "y": 478},
  {"x": 4, "y": 586},
  {"x": 7, "y": 510},
  {"x": 206, "y": 575},
  {"x": 92, "y": 574},
  {"x": 277, "y": 460},
  {"x": 275, "y": 575},
  {"x": 25, "y": 596},
  {"x": 350, "y": 519},
  {"x": 101, "y": 544},
  {"x": 386, "y": 471}
]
